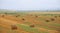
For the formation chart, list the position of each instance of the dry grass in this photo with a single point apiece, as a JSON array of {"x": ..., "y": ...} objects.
[{"x": 36, "y": 20}]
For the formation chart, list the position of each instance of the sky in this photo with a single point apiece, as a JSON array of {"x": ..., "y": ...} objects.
[{"x": 30, "y": 4}]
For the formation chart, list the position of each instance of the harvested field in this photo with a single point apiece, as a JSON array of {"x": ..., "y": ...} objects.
[{"x": 30, "y": 22}]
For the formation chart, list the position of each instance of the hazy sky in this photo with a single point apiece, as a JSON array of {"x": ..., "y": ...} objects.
[{"x": 30, "y": 4}]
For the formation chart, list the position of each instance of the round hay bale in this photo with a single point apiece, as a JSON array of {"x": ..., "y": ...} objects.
[
  {"x": 13, "y": 27},
  {"x": 36, "y": 16},
  {"x": 32, "y": 26},
  {"x": 52, "y": 19},
  {"x": 17, "y": 15},
  {"x": 23, "y": 19},
  {"x": 59, "y": 16},
  {"x": 2, "y": 15},
  {"x": 47, "y": 21},
  {"x": 55, "y": 16}
]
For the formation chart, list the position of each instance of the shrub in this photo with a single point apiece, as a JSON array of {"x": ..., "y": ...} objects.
[{"x": 6, "y": 13}]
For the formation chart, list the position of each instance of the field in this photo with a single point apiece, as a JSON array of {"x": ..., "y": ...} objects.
[{"x": 30, "y": 22}]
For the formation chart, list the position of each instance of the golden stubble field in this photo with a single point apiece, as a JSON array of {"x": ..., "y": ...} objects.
[{"x": 32, "y": 22}]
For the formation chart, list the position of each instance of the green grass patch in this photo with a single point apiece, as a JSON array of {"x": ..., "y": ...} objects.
[
  {"x": 27, "y": 23},
  {"x": 12, "y": 31},
  {"x": 55, "y": 24},
  {"x": 28, "y": 28},
  {"x": 46, "y": 27},
  {"x": 40, "y": 18}
]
